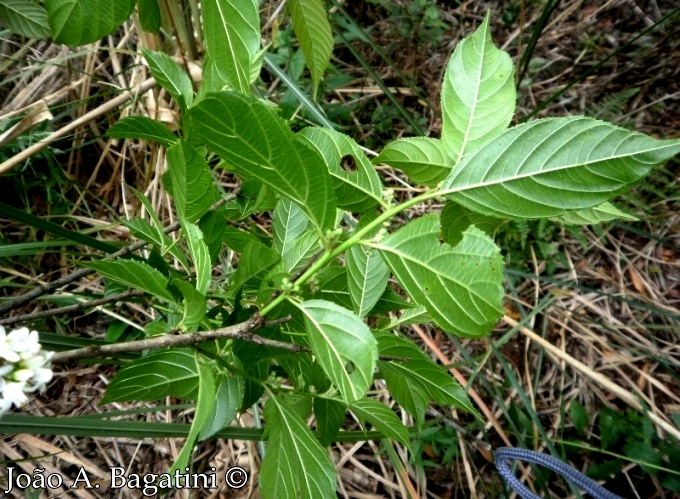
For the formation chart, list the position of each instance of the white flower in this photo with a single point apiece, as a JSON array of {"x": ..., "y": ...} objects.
[
  {"x": 23, "y": 367},
  {"x": 14, "y": 393}
]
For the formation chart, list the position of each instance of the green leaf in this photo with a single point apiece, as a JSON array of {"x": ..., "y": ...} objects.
[
  {"x": 604, "y": 212},
  {"x": 154, "y": 233},
  {"x": 253, "y": 265},
  {"x": 149, "y": 15},
  {"x": 228, "y": 398},
  {"x": 135, "y": 274},
  {"x": 456, "y": 218},
  {"x": 382, "y": 418},
  {"x": 170, "y": 75},
  {"x": 431, "y": 378},
  {"x": 25, "y": 18},
  {"x": 305, "y": 372},
  {"x": 154, "y": 377},
  {"x": 254, "y": 142},
  {"x": 329, "y": 415},
  {"x": 358, "y": 190},
  {"x": 54, "y": 229},
  {"x": 212, "y": 226},
  {"x": 408, "y": 394},
  {"x": 78, "y": 22},
  {"x": 332, "y": 285},
  {"x": 543, "y": 168},
  {"x": 212, "y": 80},
  {"x": 413, "y": 315},
  {"x": 367, "y": 276},
  {"x": 397, "y": 346},
  {"x": 295, "y": 465},
  {"x": 143, "y": 128},
  {"x": 289, "y": 223},
  {"x": 200, "y": 256},
  {"x": 478, "y": 94},
  {"x": 306, "y": 246},
  {"x": 645, "y": 454},
  {"x": 204, "y": 405},
  {"x": 192, "y": 184},
  {"x": 194, "y": 303},
  {"x": 343, "y": 345},
  {"x": 314, "y": 34},
  {"x": 579, "y": 416},
  {"x": 612, "y": 427},
  {"x": 292, "y": 242},
  {"x": 390, "y": 301},
  {"x": 460, "y": 287},
  {"x": 237, "y": 239},
  {"x": 232, "y": 37},
  {"x": 423, "y": 159}
]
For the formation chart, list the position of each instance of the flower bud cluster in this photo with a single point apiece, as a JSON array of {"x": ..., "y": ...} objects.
[{"x": 24, "y": 368}]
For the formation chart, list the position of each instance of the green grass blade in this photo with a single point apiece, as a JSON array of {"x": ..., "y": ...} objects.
[{"x": 54, "y": 229}]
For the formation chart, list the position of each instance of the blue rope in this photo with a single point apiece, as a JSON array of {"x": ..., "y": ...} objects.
[{"x": 505, "y": 454}]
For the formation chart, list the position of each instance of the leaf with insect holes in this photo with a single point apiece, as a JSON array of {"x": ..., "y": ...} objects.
[
  {"x": 155, "y": 376},
  {"x": 460, "y": 287},
  {"x": 295, "y": 464},
  {"x": 543, "y": 168},
  {"x": 78, "y": 22},
  {"x": 359, "y": 190},
  {"x": 343, "y": 346},
  {"x": 232, "y": 37},
  {"x": 314, "y": 33},
  {"x": 25, "y": 18},
  {"x": 256, "y": 143},
  {"x": 423, "y": 159},
  {"x": 478, "y": 94},
  {"x": 143, "y": 128},
  {"x": 170, "y": 75}
]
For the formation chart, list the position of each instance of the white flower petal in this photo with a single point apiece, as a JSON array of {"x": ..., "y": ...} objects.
[{"x": 14, "y": 392}]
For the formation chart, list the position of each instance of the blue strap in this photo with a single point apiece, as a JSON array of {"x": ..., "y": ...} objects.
[{"x": 505, "y": 454}]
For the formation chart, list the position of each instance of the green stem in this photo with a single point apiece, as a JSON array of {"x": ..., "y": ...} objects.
[{"x": 355, "y": 239}]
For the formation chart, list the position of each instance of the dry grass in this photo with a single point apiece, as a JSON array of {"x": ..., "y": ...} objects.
[{"x": 607, "y": 319}]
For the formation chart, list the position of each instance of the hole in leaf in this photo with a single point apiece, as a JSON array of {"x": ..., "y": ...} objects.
[
  {"x": 348, "y": 163},
  {"x": 350, "y": 367}
]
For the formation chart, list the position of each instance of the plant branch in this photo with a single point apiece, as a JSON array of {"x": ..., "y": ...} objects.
[
  {"x": 241, "y": 331},
  {"x": 78, "y": 274},
  {"x": 133, "y": 293},
  {"x": 356, "y": 237}
]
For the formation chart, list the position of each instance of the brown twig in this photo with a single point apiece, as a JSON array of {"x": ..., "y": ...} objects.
[
  {"x": 241, "y": 331},
  {"x": 71, "y": 308}
]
